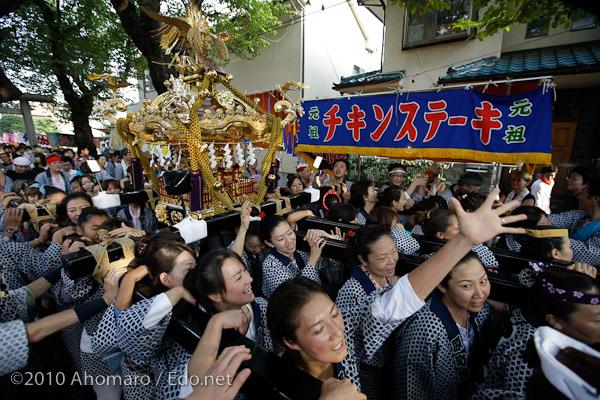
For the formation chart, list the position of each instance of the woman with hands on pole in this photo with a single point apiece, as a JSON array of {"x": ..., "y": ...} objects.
[
  {"x": 285, "y": 262},
  {"x": 140, "y": 328},
  {"x": 311, "y": 329}
]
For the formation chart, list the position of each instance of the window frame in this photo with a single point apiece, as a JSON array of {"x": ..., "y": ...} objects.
[{"x": 406, "y": 45}]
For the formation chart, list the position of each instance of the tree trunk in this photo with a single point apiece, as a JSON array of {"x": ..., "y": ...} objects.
[
  {"x": 139, "y": 27},
  {"x": 80, "y": 105},
  {"x": 80, "y": 116}
]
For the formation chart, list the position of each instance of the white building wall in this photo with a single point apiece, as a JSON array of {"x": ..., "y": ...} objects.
[{"x": 334, "y": 44}]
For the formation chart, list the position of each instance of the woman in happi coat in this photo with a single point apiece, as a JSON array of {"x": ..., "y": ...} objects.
[
  {"x": 328, "y": 343},
  {"x": 395, "y": 198},
  {"x": 583, "y": 224},
  {"x": 363, "y": 197},
  {"x": 438, "y": 347},
  {"x": 140, "y": 328},
  {"x": 284, "y": 262},
  {"x": 250, "y": 248},
  {"x": 374, "y": 269},
  {"x": 549, "y": 243},
  {"x": 223, "y": 287}
]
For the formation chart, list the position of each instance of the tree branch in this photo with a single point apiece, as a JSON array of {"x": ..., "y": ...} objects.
[
  {"x": 8, "y": 91},
  {"x": 8, "y": 6}
]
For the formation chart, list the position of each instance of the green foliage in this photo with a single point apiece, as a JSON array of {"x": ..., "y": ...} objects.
[
  {"x": 12, "y": 123},
  {"x": 89, "y": 32},
  {"x": 497, "y": 15},
  {"x": 376, "y": 169},
  {"x": 44, "y": 125},
  {"x": 249, "y": 22}
]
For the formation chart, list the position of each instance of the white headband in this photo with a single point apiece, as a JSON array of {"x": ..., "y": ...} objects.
[{"x": 397, "y": 170}]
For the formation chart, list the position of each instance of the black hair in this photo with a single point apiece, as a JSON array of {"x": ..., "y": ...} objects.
[
  {"x": 268, "y": 225},
  {"x": 114, "y": 223},
  {"x": 389, "y": 195},
  {"x": 594, "y": 186},
  {"x": 392, "y": 167},
  {"x": 470, "y": 179},
  {"x": 540, "y": 248},
  {"x": 207, "y": 278},
  {"x": 160, "y": 253},
  {"x": 430, "y": 203},
  {"x": 364, "y": 239},
  {"x": 545, "y": 303},
  {"x": 77, "y": 195},
  {"x": 345, "y": 161},
  {"x": 548, "y": 169},
  {"x": 357, "y": 192},
  {"x": 587, "y": 172},
  {"x": 66, "y": 159},
  {"x": 382, "y": 216},
  {"x": 434, "y": 221},
  {"x": 342, "y": 212},
  {"x": 470, "y": 256},
  {"x": 534, "y": 214},
  {"x": 253, "y": 229},
  {"x": 291, "y": 179},
  {"x": 327, "y": 199},
  {"x": 283, "y": 312},
  {"x": 51, "y": 190},
  {"x": 42, "y": 158},
  {"x": 89, "y": 212},
  {"x": 472, "y": 201}
]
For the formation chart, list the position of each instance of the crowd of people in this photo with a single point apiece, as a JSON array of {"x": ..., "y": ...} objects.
[{"x": 356, "y": 324}]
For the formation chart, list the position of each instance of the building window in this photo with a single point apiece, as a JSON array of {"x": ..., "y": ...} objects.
[
  {"x": 357, "y": 70},
  {"x": 538, "y": 27},
  {"x": 586, "y": 21},
  {"x": 436, "y": 26}
]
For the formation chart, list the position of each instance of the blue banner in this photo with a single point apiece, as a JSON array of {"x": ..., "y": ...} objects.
[{"x": 453, "y": 125}]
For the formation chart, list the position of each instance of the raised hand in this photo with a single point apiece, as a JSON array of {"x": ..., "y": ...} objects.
[
  {"x": 227, "y": 365},
  {"x": 13, "y": 218},
  {"x": 334, "y": 389},
  {"x": 584, "y": 269},
  {"x": 45, "y": 231},
  {"x": 245, "y": 215},
  {"x": 485, "y": 223},
  {"x": 70, "y": 246},
  {"x": 111, "y": 284}
]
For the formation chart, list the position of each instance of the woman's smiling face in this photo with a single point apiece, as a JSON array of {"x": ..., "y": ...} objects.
[{"x": 320, "y": 333}]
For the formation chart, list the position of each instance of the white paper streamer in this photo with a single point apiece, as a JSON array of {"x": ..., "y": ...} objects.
[
  {"x": 211, "y": 155},
  {"x": 104, "y": 200},
  {"x": 239, "y": 155},
  {"x": 251, "y": 157},
  {"x": 178, "y": 159},
  {"x": 315, "y": 195},
  {"x": 227, "y": 156},
  {"x": 192, "y": 230}
]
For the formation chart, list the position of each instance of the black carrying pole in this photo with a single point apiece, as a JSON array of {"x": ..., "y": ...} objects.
[{"x": 82, "y": 263}]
